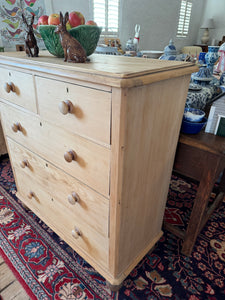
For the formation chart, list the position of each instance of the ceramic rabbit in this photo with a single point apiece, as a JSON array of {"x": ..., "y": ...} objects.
[
  {"x": 73, "y": 51},
  {"x": 30, "y": 40}
]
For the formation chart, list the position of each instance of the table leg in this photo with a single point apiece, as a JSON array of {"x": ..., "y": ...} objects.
[
  {"x": 222, "y": 182},
  {"x": 206, "y": 185}
]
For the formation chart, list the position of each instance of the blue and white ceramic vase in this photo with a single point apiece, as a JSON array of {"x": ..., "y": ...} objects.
[
  {"x": 211, "y": 57},
  {"x": 222, "y": 79},
  {"x": 170, "y": 52}
]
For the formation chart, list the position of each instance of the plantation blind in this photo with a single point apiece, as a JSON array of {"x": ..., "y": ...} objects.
[
  {"x": 184, "y": 18},
  {"x": 106, "y": 15}
]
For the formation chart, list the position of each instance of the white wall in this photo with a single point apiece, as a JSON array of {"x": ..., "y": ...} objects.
[
  {"x": 216, "y": 10},
  {"x": 158, "y": 20},
  {"x": 55, "y": 6}
]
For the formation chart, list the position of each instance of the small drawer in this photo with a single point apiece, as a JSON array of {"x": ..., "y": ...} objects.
[
  {"x": 18, "y": 88},
  {"x": 83, "y": 159},
  {"x": 81, "y": 110},
  {"x": 47, "y": 191}
]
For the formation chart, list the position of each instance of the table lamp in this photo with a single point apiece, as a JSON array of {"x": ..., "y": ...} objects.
[{"x": 207, "y": 24}]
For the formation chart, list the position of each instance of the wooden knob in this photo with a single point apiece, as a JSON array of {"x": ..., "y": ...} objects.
[
  {"x": 9, "y": 86},
  {"x": 73, "y": 198},
  {"x": 16, "y": 127},
  {"x": 70, "y": 155},
  {"x": 76, "y": 233},
  {"x": 24, "y": 163},
  {"x": 31, "y": 195},
  {"x": 66, "y": 107}
]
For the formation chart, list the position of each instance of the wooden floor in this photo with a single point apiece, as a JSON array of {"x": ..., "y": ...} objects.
[{"x": 10, "y": 288}]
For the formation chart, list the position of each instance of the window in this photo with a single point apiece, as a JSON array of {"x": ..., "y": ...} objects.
[
  {"x": 106, "y": 15},
  {"x": 184, "y": 18}
]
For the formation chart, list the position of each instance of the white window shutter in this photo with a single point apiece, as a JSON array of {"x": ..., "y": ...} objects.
[
  {"x": 106, "y": 15},
  {"x": 184, "y": 18}
]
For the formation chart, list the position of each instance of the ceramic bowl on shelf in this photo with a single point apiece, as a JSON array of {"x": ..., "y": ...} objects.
[
  {"x": 151, "y": 53},
  {"x": 193, "y": 127},
  {"x": 87, "y": 35},
  {"x": 193, "y": 114}
]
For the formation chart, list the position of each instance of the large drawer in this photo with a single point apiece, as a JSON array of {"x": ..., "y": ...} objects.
[
  {"x": 44, "y": 189},
  {"x": 18, "y": 88},
  {"x": 92, "y": 161},
  {"x": 81, "y": 110}
]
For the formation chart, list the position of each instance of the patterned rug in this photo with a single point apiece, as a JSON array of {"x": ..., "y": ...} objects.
[{"x": 49, "y": 269}]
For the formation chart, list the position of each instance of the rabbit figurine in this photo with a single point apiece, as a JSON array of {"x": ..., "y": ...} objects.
[
  {"x": 30, "y": 40},
  {"x": 73, "y": 51}
]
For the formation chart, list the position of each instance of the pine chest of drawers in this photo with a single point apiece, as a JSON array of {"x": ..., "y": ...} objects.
[{"x": 92, "y": 148}]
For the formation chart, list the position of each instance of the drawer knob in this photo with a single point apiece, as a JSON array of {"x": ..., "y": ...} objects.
[
  {"x": 73, "y": 198},
  {"x": 9, "y": 87},
  {"x": 70, "y": 155},
  {"x": 31, "y": 195},
  {"x": 76, "y": 233},
  {"x": 66, "y": 107},
  {"x": 16, "y": 127},
  {"x": 24, "y": 163}
]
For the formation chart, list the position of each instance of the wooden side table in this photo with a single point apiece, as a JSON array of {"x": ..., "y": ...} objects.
[
  {"x": 200, "y": 157},
  {"x": 204, "y": 47}
]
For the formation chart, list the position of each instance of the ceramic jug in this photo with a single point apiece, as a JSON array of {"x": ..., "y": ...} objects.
[{"x": 130, "y": 46}]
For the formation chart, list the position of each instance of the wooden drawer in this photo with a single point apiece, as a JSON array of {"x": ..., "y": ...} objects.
[
  {"x": 90, "y": 114},
  {"x": 20, "y": 88},
  {"x": 92, "y": 164},
  {"x": 51, "y": 187}
]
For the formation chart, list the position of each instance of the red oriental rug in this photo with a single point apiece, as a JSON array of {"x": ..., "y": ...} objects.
[{"x": 49, "y": 269}]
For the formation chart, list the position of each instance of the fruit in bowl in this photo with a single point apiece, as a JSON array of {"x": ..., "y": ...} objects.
[
  {"x": 53, "y": 19},
  {"x": 43, "y": 20},
  {"x": 87, "y": 36},
  {"x": 76, "y": 18},
  {"x": 90, "y": 22}
]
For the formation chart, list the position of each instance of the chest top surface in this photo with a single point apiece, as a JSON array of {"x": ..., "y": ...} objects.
[{"x": 111, "y": 70}]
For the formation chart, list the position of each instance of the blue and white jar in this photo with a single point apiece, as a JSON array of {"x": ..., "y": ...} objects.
[
  {"x": 211, "y": 57},
  {"x": 222, "y": 79},
  {"x": 130, "y": 46},
  {"x": 170, "y": 52}
]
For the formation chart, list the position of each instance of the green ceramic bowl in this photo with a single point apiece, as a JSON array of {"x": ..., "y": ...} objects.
[{"x": 87, "y": 35}]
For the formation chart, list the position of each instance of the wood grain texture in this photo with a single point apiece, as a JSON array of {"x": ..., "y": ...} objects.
[
  {"x": 10, "y": 288},
  {"x": 150, "y": 133},
  {"x": 6, "y": 277},
  {"x": 3, "y": 149},
  {"x": 124, "y": 147},
  {"x": 91, "y": 115},
  {"x": 119, "y": 105},
  {"x": 108, "y": 70},
  {"x": 24, "y": 94},
  {"x": 204, "y": 141},
  {"x": 202, "y": 158},
  {"x": 46, "y": 202},
  {"x": 93, "y": 161},
  {"x": 92, "y": 209}
]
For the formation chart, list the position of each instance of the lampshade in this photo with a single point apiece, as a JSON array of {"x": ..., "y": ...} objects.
[{"x": 208, "y": 23}]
